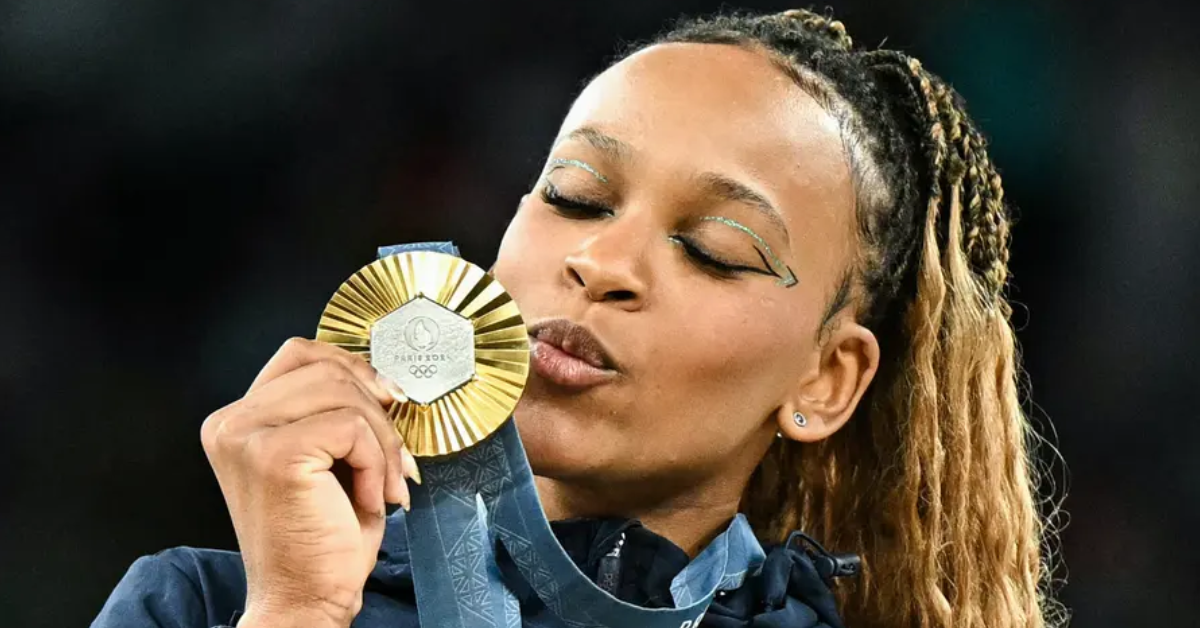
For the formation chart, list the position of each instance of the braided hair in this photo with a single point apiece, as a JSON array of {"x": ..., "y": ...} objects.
[{"x": 932, "y": 481}]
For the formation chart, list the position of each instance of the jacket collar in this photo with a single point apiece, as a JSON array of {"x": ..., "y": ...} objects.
[{"x": 788, "y": 591}]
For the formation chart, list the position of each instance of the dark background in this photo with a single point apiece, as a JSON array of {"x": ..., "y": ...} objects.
[{"x": 183, "y": 186}]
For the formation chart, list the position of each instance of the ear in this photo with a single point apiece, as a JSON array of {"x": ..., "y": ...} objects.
[{"x": 828, "y": 393}]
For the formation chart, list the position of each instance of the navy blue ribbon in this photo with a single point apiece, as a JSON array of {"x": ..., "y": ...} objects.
[{"x": 485, "y": 495}]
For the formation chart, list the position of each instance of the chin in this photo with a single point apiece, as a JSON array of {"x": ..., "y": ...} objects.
[{"x": 559, "y": 444}]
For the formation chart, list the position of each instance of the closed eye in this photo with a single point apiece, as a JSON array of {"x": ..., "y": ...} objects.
[
  {"x": 582, "y": 209},
  {"x": 576, "y": 208},
  {"x": 712, "y": 263}
]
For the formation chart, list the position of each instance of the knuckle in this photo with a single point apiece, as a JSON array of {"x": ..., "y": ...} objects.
[
  {"x": 335, "y": 372},
  {"x": 348, "y": 390},
  {"x": 364, "y": 431},
  {"x": 213, "y": 436},
  {"x": 208, "y": 432},
  {"x": 295, "y": 344},
  {"x": 343, "y": 421},
  {"x": 362, "y": 425}
]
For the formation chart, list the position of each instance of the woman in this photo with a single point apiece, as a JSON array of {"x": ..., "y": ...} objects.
[{"x": 774, "y": 267}]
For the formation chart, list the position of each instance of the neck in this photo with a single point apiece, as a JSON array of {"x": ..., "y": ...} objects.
[{"x": 690, "y": 520}]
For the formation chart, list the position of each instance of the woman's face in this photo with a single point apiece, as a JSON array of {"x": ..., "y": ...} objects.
[{"x": 696, "y": 216}]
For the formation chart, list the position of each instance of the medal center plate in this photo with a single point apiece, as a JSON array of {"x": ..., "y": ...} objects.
[{"x": 426, "y": 348}]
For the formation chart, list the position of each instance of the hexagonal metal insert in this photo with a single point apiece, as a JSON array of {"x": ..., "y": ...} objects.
[{"x": 424, "y": 347}]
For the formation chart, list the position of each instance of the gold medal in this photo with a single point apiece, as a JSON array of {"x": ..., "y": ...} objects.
[{"x": 447, "y": 333}]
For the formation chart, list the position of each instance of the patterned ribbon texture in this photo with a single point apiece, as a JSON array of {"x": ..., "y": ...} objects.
[{"x": 485, "y": 496}]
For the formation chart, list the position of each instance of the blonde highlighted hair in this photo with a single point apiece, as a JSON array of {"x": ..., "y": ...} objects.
[{"x": 934, "y": 481}]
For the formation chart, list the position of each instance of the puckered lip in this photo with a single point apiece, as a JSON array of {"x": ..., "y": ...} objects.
[{"x": 575, "y": 340}]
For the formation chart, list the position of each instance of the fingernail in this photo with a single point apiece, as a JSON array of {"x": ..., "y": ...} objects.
[
  {"x": 410, "y": 465},
  {"x": 416, "y": 473},
  {"x": 391, "y": 387}
]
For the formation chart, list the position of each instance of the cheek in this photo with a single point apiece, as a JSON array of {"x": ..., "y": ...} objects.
[
  {"x": 733, "y": 353},
  {"x": 526, "y": 255}
]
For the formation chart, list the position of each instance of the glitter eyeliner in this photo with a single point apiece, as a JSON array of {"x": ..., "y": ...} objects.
[
  {"x": 786, "y": 278},
  {"x": 559, "y": 162}
]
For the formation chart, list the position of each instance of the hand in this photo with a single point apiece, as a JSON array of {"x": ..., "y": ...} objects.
[{"x": 307, "y": 460}]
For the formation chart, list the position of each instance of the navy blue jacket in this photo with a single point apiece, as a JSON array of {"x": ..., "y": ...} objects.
[{"x": 199, "y": 588}]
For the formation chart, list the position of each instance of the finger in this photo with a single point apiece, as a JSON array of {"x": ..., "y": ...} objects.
[
  {"x": 409, "y": 463},
  {"x": 347, "y": 436},
  {"x": 393, "y": 389},
  {"x": 299, "y": 352},
  {"x": 321, "y": 387},
  {"x": 306, "y": 391}
]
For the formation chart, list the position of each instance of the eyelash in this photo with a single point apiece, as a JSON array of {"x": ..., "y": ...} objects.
[
  {"x": 573, "y": 208},
  {"x": 708, "y": 262},
  {"x": 577, "y": 209}
]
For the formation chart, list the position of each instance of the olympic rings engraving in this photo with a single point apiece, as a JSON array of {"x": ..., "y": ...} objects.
[{"x": 423, "y": 371}]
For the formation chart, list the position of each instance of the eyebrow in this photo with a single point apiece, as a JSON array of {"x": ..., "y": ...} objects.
[
  {"x": 719, "y": 185},
  {"x": 734, "y": 191},
  {"x": 601, "y": 141}
]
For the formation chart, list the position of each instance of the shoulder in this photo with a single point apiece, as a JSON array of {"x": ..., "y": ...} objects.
[
  {"x": 187, "y": 587},
  {"x": 182, "y": 587}
]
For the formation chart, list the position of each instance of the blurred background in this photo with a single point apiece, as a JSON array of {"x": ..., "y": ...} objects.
[{"x": 183, "y": 186}]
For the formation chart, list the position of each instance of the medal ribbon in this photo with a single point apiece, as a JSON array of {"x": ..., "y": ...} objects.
[{"x": 483, "y": 496}]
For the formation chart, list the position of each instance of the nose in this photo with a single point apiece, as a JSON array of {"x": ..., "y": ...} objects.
[{"x": 609, "y": 268}]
